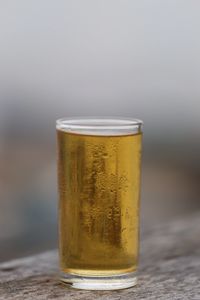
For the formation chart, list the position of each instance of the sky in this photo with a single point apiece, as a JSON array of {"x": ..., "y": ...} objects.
[{"x": 129, "y": 58}]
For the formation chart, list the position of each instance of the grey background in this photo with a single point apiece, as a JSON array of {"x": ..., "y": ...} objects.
[{"x": 115, "y": 58}]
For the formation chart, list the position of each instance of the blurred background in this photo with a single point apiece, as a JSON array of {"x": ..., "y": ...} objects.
[{"x": 104, "y": 58}]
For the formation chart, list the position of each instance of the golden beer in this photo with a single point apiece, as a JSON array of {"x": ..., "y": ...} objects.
[{"x": 99, "y": 189}]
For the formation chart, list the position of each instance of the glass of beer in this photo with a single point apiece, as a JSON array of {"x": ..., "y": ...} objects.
[{"x": 99, "y": 162}]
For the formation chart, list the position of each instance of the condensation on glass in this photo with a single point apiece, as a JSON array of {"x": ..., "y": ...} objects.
[{"x": 99, "y": 193}]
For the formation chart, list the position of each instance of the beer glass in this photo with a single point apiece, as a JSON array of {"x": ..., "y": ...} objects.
[{"x": 99, "y": 194}]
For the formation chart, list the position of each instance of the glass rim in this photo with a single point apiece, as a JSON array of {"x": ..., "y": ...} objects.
[
  {"x": 98, "y": 123},
  {"x": 100, "y": 126}
]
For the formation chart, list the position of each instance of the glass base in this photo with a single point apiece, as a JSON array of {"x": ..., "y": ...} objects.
[{"x": 115, "y": 282}]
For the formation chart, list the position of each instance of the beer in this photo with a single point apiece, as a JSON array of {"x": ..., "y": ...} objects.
[{"x": 99, "y": 189}]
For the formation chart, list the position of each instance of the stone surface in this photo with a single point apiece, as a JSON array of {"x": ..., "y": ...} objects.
[{"x": 169, "y": 269}]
